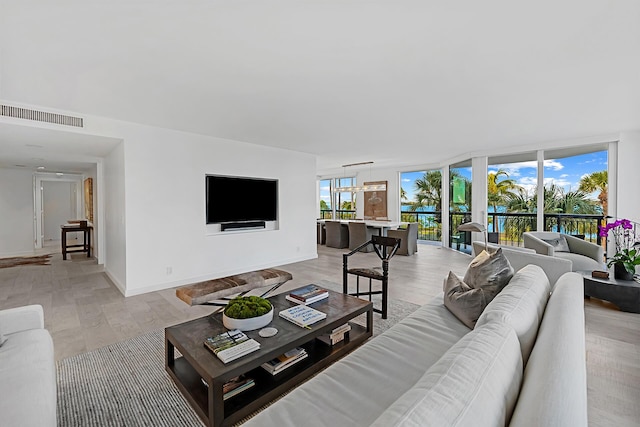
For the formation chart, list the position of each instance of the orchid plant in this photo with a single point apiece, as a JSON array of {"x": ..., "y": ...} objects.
[{"x": 627, "y": 252}]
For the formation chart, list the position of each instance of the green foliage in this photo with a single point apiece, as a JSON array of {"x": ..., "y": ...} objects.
[
  {"x": 323, "y": 205},
  {"x": 627, "y": 257},
  {"x": 247, "y": 307}
]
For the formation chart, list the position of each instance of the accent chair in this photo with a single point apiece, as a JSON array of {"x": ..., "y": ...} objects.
[
  {"x": 584, "y": 255},
  {"x": 385, "y": 248}
]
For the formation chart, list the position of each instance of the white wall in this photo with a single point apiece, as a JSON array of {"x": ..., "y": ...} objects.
[
  {"x": 155, "y": 207},
  {"x": 16, "y": 212},
  {"x": 167, "y": 242},
  {"x": 115, "y": 256},
  {"x": 628, "y": 191}
]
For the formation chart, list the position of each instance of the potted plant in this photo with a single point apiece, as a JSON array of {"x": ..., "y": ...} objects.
[
  {"x": 247, "y": 313},
  {"x": 627, "y": 255},
  {"x": 624, "y": 263}
]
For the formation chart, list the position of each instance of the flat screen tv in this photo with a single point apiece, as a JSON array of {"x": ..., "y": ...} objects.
[{"x": 240, "y": 199}]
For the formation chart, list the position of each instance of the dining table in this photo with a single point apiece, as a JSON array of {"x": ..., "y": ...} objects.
[{"x": 382, "y": 225}]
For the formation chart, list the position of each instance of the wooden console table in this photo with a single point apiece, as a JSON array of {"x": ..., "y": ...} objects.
[{"x": 86, "y": 239}]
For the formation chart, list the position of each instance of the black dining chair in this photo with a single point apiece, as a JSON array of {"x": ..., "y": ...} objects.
[{"x": 385, "y": 248}]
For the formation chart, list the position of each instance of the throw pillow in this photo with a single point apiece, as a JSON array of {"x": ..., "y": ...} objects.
[
  {"x": 489, "y": 271},
  {"x": 559, "y": 244},
  {"x": 2, "y": 339},
  {"x": 463, "y": 301}
]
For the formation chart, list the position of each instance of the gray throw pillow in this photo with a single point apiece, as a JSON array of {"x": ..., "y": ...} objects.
[
  {"x": 559, "y": 244},
  {"x": 486, "y": 275},
  {"x": 463, "y": 301},
  {"x": 489, "y": 271},
  {"x": 2, "y": 339}
]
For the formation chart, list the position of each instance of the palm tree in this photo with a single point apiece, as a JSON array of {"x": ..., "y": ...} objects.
[
  {"x": 499, "y": 191},
  {"x": 597, "y": 181},
  {"x": 428, "y": 191}
]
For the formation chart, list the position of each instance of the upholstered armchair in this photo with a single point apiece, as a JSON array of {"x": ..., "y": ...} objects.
[
  {"x": 584, "y": 255},
  {"x": 408, "y": 237},
  {"x": 337, "y": 234},
  {"x": 360, "y": 233}
]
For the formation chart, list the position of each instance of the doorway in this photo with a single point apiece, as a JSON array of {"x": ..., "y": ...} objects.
[{"x": 58, "y": 198}]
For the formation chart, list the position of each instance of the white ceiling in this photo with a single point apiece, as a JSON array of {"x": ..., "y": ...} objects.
[{"x": 393, "y": 81}]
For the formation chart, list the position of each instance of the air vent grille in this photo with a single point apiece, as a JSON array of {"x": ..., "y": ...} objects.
[{"x": 40, "y": 116}]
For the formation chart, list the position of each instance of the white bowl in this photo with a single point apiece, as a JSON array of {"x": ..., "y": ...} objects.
[{"x": 247, "y": 324}]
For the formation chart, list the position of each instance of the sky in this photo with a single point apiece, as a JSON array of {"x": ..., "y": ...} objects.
[{"x": 565, "y": 172}]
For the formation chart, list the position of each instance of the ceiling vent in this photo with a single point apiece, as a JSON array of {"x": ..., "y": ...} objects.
[{"x": 40, "y": 116}]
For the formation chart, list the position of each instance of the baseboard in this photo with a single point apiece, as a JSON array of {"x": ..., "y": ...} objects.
[{"x": 121, "y": 287}]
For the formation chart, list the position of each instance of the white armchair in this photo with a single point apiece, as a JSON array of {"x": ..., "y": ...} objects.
[{"x": 584, "y": 255}]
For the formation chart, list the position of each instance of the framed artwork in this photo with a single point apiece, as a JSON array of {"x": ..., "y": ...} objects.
[
  {"x": 88, "y": 199},
  {"x": 375, "y": 202}
]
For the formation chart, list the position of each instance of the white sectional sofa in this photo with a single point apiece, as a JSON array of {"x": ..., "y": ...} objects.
[
  {"x": 27, "y": 369},
  {"x": 522, "y": 365}
]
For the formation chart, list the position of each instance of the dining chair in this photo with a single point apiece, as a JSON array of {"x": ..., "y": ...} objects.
[
  {"x": 385, "y": 248},
  {"x": 337, "y": 235},
  {"x": 360, "y": 233},
  {"x": 409, "y": 236}
]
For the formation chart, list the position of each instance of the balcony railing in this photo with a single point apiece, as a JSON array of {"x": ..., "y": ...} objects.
[
  {"x": 503, "y": 228},
  {"x": 506, "y": 228}
]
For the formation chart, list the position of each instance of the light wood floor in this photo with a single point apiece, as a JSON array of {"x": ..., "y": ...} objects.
[{"x": 84, "y": 311}]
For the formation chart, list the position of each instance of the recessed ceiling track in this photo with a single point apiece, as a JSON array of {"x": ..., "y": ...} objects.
[{"x": 40, "y": 116}]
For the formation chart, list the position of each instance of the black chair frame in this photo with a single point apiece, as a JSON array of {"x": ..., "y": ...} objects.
[{"x": 385, "y": 248}]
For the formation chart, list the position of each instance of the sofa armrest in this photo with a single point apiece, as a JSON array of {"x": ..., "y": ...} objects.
[
  {"x": 21, "y": 319},
  {"x": 539, "y": 245},
  {"x": 582, "y": 247}
]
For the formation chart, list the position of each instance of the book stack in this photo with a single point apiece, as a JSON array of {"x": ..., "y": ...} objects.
[
  {"x": 236, "y": 386},
  {"x": 282, "y": 362},
  {"x": 302, "y": 315},
  {"x": 308, "y": 295},
  {"x": 336, "y": 335},
  {"x": 231, "y": 345}
]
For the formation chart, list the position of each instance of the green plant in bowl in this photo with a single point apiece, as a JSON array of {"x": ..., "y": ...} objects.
[{"x": 247, "y": 307}]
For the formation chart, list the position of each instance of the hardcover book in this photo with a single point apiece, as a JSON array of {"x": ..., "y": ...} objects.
[
  {"x": 231, "y": 345},
  {"x": 285, "y": 360},
  {"x": 308, "y": 293},
  {"x": 302, "y": 315}
]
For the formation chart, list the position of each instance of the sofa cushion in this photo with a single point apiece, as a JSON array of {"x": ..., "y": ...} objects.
[
  {"x": 486, "y": 275},
  {"x": 373, "y": 375},
  {"x": 28, "y": 375},
  {"x": 521, "y": 304},
  {"x": 465, "y": 302},
  {"x": 559, "y": 244},
  {"x": 489, "y": 271},
  {"x": 580, "y": 262},
  {"x": 475, "y": 383},
  {"x": 554, "y": 388}
]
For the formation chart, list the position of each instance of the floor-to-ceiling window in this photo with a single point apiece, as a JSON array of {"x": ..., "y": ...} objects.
[
  {"x": 460, "y": 204},
  {"x": 326, "y": 201},
  {"x": 575, "y": 192},
  {"x": 334, "y": 202},
  {"x": 511, "y": 197},
  {"x": 345, "y": 201},
  {"x": 421, "y": 202}
]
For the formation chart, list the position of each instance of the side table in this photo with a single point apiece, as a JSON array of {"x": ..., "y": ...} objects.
[
  {"x": 86, "y": 239},
  {"x": 623, "y": 293}
]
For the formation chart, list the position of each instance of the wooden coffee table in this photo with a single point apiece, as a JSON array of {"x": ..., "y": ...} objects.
[{"x": 198, "y": 364}]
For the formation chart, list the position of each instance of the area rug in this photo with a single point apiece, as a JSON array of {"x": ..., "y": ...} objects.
[
  {"x": 25, "y": 260},
  {"x": 125, "y": 384}
]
